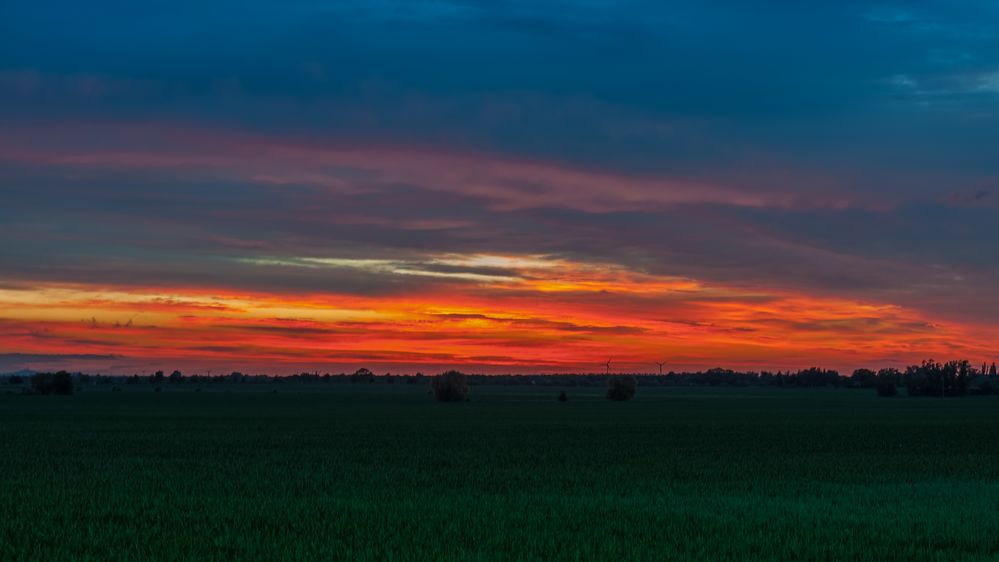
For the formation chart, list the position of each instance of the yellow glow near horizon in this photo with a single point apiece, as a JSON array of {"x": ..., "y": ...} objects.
[{"x": 529, "y": 312}]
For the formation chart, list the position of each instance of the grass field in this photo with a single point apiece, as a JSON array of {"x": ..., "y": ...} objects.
[{"x": 382, "y": 472}]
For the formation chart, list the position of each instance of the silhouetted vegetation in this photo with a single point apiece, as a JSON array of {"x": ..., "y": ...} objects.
[
  {"x": 932, "y": 379},
  {"x": 885, "y": 380},
  {"x": 887, "y": 388},
  {"x": 938, "y": 379},
  {"x": 563, "y": 397},
  {"x": 362, "y": 376},
  {"x": 621, "y": 388},
  {"x": 52, "y": 383},
  {"x": 864, "y": 378},
  {"x": 451, "y": 386},
  {"x": 986, "y": 387}
]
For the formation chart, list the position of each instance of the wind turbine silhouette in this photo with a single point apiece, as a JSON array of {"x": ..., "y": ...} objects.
[
  {"x": 608, "y": 366},
  {"x": 660, "y": 366}
]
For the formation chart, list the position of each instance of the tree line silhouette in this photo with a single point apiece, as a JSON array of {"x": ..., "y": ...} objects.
[{"x": 929, "y": 378}]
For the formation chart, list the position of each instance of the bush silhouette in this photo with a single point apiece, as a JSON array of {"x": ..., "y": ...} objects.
[
  {"x": 563, "y": 397},
  {"x": 887, "y": 388},
  {"x": 988, "y": 387},
  {"x": 52, "y": 383},
  {"x": 451, "y": 386},
  {"x": 621, "y": 388}
]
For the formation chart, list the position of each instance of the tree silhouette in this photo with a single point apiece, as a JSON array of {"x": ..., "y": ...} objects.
[
  {"x": 938, "y": 379},
  {"x": 362, "y": 375},
  {"x": 451, "y": 386},
  {"x": 52, "y": 383},
  {"x": 887, "y": 383},
  {"x": 865, "y": 378},
  {"x": 621, "y": 389}
]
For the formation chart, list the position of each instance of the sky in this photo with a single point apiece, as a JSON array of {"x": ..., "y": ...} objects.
[{"x": 497, "y": 186}]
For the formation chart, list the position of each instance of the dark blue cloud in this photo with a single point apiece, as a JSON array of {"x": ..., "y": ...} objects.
[
  {"x": 637, "y": 85},
  {"x": 897, "y": 102}
]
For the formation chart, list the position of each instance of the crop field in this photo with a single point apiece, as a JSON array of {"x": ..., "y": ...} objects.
[{"x": 382, "y": 472}]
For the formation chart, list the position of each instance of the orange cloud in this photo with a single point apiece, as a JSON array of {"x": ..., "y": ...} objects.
[{"x": 531, "y": 313}]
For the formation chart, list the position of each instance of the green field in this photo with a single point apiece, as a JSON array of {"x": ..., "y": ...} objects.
[{"x": 381, "y": 472}]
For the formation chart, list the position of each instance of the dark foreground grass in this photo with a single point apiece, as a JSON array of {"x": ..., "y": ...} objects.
[{"x": 384, "y": 473}]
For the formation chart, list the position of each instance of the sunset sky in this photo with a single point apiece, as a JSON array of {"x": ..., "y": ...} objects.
[{"x": 497, "y": 185}]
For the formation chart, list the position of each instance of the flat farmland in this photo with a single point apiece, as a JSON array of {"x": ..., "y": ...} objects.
[{"x": 382, "y": 472}]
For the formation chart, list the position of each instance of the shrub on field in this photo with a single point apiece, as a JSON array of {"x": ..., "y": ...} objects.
[
  {"x": 563, "y": 397},
  {"x": 983, "y": 386},
  {"x": 988, "y": 387},
  {"x": 451, "y": 386},
  {"x": 887, "y": 382},
  {"x": 887, "y": 388},
  {"x": 621, "y": 388},
  {"x": 52, "y": 383}
]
